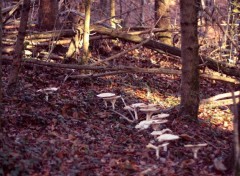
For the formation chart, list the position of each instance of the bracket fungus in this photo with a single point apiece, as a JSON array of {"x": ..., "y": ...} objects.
[
  {"x": 111, "y": 97},
  {"x": 167, "y": 137},
  {"x": 157, "y": 148},
  {"x": 195, "y": 148}
]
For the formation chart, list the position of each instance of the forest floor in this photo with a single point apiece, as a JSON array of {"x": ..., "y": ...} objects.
[{"x": 71, "y": 132}]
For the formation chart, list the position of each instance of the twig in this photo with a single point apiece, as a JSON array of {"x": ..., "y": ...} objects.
[
  {"x": 121, "y": 53},
  {"x": 128, "y": 109},
  {"x": 124, "y": 117}
]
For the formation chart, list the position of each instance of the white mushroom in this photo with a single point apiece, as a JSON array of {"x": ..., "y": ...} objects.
[
  {"x": 109, "y": 97},
  {"x": 144, "y": 106},
  {"x": 164, "y": 145},
  {"x": 105, "y": 95},
  {"x": 147, "y": 123},
  {"x": 156, "y": 124},
  {"x": 195, "y": 148},
  {"x": 167, "y": 137},
  {"x": 143, "y": 124},
  {"x": 158, "y": 133},
  {"x": 134, "y": 107},
  {"x": 48, "y": 91},
  {"x": 160, "y": 116},
  {"x": 112, "y": 100},
  {"x": 157, "y": 148},
  {"x": 149, "y": 112}
]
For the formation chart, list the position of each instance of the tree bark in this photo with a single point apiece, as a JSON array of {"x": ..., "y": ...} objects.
[
  {"x": 47, "y": 14},
  {"x": 19, "y": 47},
  {"x": 113, "y": 13},
  {"x": 189, "y": 54},
  {"x": 162, "y": 19},
  {"x": 236, "y": 126},
  {"x": 86, "y": 32},
  {"x": 1, "y": 87}
]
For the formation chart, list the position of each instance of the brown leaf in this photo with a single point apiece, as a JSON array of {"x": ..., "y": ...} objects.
[{"x": 186, "y": 137}]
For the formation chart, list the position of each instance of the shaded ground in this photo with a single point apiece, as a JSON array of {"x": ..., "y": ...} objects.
[{"x": 70, "y": 132}]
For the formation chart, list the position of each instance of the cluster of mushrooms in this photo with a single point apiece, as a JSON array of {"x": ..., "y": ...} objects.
[{"x": 164, "y": 136}]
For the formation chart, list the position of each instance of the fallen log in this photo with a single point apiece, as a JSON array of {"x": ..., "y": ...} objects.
[
  {"x": 123, "y": 69},
  {"x": 229, "y": 95},
  {"x": 221, "y": 67}
]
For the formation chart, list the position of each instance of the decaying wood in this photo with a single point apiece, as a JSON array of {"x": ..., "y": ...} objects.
[
  {"x": 225, "y": 102},
  {"x": 12, "y": 11},
  {"x": 221, "y": 67},
  {"x": 222, "y": 96},
  {"x": 224, "y": 99},
  {"x": 127, "y": 69},
  {"x": 121, "y": 53},
  {"x": 51, "y": 34}
]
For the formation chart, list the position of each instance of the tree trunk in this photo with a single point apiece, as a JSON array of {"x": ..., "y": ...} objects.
[
  {"x": 190, "y": 58},
  {"x": 47, "y": 14},
  {"x": 142, "y": 16},
  {"x": 236, "y": 126},
  {"x": 162, "y": 19},
  {"x": 86, "y": 32},
  {"x": 104, "y": 4},
  {"x": 1, "y": 88},
  {"x": 113, "y": 13},
  {"x": 19, "y": 47}
]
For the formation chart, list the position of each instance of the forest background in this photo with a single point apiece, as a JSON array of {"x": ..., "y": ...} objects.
[{"x": 179, "y": 58}]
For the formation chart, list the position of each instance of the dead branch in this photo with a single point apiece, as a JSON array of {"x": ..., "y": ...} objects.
[
  {"x": 127, "y": 69},
  {"x": 121, "y": 53},
  {"x": 224, "y": 102},
  {"x": 221, "y": 67},
  {"x": 221, "y": 96}
]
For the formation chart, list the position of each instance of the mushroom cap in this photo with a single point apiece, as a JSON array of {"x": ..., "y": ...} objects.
[
  {"x": 158, "y": 133},
  {"x": 158, "y": 121},
  {"x": 164, "y": 144},
  {"x": 144, "y": 106},
  {"x": 48, "y": 90},
  {"x": 152, "y": 109},
  {"x": 196, "y": 145},
  {"x": 160, "y": 116},
  {"x": 144, "y": 124},
  {"x": 111, "y": 98},
  {"x": 136, "y": 105},
  {"x": 128, "y": 108},
  {"x": 105, "y": 95},
  {"x": 167, "y": 137}
]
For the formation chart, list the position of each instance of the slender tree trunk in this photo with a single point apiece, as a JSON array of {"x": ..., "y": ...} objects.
[
  {"x": 86, "y": 31},
  {"x": 47, "y": 14},
  {"x": 19, "y": 47},
  {"x": 162, "y": 19},
  {"x": 1, "y": 86},
  {"x": 190, "y": 61},
  {"x": 104, "y": 4},
  {"x": 113, "y": 13},
  {"x": 236, "y": 125},
  {"x": 142, "y": 16}
]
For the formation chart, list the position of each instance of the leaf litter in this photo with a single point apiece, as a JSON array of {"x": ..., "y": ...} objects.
[{"x": 73, "y": 133}]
